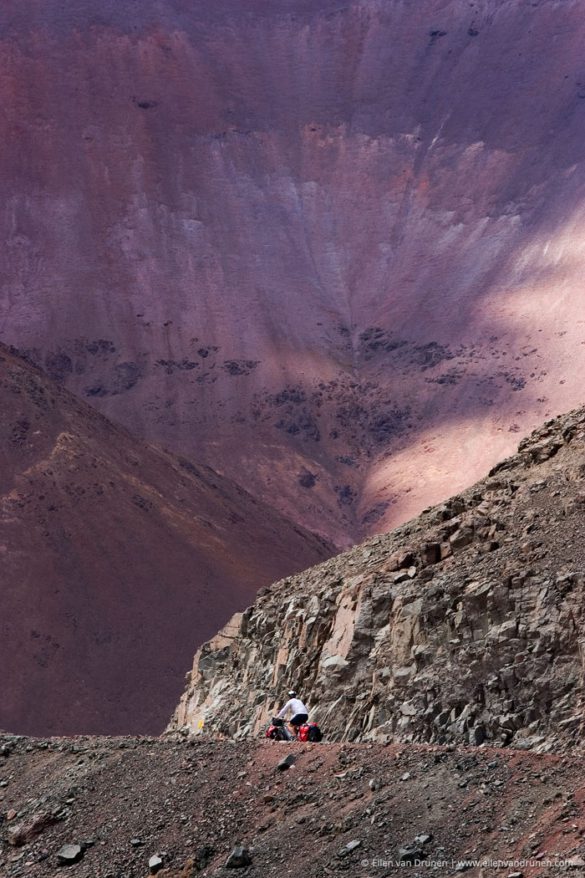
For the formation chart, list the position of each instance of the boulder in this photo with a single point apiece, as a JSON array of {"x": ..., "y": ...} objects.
[
  {"x": 239, "y": 858},
  {"x": 410, "y": 853},
  {"x": 155, "y": 864},
  {"x": 286, "y": 763},
  {"x": 349, "y": 847},
  {"x": 69, "y": 854},
  {"x": 25, "y": 832}
]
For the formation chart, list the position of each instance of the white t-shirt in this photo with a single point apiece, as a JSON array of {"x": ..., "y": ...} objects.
[{"x": 295, "y": 705}]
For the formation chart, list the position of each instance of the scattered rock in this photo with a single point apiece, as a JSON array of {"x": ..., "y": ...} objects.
[
  {"x": 410, "y": 853},
  {"x": 26, "y": 832},
  {"x": 286, "y": 763},
  {"x": 239, "y": 858},
  {"x": 349, "y": 847},
  {"x": 69, "y": 854},
  {"x": 203, "y": 856},
  {"x": 155, "y": 864}
]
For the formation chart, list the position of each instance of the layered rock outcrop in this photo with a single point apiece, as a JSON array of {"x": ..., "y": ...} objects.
[{"x": 465, "y": 625}]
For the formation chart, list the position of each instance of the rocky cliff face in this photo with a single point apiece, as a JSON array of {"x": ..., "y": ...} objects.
[
  {"x": 114, "y": 556},
  {"x": 465, "y": 625},
  {"x": 348, "y": 232}
]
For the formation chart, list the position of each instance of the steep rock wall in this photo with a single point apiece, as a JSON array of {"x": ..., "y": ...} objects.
[{"x": 466, "y": 625}]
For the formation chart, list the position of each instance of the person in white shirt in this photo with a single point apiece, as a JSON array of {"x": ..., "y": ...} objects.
[{"x": 297, "y": 711}]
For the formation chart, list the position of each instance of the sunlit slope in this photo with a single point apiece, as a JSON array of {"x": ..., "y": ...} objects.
[{"x": 333, "y": 249}]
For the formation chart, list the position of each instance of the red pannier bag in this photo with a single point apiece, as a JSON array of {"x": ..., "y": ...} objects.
[{"x": 304, "y": 732}]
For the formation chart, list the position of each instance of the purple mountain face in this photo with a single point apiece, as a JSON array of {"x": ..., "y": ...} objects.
[{"x": 332, "y": 249}]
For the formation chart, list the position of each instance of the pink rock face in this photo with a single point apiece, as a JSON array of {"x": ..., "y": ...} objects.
[
  {"x": 116, "y": 559},
  {"x": 333, "y": 249}
]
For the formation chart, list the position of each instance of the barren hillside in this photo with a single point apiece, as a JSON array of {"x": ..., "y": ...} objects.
[
  {"x": 333, "y": 249},
  {"x": 114, "y": 558}
]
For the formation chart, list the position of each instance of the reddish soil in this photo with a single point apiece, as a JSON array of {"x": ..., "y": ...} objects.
[{"x": 126, "y": 800}]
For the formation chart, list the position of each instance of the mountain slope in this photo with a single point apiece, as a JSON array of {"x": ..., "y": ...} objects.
[
  {"x": 465, "y": 625},
  {"x": 114, "y": 558},
  {"x": 350, "y": 233}
]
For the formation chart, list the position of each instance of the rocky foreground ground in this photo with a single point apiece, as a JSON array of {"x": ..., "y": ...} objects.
[{"x": 130, "y": 807}]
